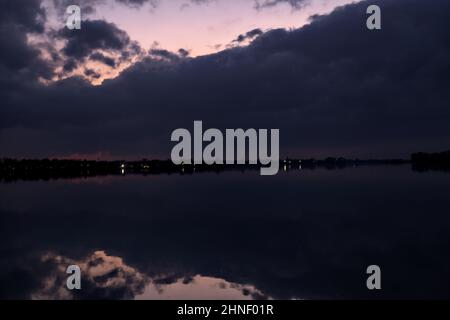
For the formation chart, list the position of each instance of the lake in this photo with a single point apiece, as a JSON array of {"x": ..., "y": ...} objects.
[{"x": 303, "y": 234}]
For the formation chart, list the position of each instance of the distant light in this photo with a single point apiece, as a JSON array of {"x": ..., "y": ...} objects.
[{"x": 123, "y": 171}]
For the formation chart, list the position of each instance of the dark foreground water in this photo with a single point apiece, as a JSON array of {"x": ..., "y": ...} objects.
[{"x": 303, "y": 234}]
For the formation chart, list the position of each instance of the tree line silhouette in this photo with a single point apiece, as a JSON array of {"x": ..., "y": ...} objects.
[{"x": 51, "y": 169}]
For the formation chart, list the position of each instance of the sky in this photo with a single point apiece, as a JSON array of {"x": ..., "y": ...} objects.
[
  {"x": 207, "y": 26},
  {"x": 200, "y": 27},
  {"x": 139, "y": 69}
]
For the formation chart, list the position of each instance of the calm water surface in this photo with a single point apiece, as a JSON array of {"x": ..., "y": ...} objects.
[{"x": 302, "y": 234}]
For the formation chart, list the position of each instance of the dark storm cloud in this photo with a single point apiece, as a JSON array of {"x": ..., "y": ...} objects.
[
  {"x": 168, "y": 55},
  {"x": 91, "y": 74},
  {"x": 249, "y": 35},
  {"x": 15, "y": 55},
  {"x": 70, "y": 65},
  {"x": 183, "y": 52},
  {"x": 104, "y": 277},
  {"x": 332, "y": 85},
  {"x": 98, "y": 56},
  {"x": 87, "y": 6},
  {"x": 95, "y": 34},
  {"x": 16, "y": 20},
  {"x": 20, "y": 64},
  {"x": 163, "y": 54},
  {"x": 27, "y": 13},
  {"x": 98, "y": 40}
]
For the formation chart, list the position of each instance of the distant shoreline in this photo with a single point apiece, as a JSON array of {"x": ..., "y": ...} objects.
[
  {"x": 46, "y": 169},
  {"x": 34, "y": 170}
]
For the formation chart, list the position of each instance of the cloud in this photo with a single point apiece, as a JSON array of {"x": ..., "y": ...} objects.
[
  {"x": 164, "y": 54},
  {"x": 183, "y": 52},
  {"x": 30, "y": 15},
  {"x": 16, "y": 21},
  {"x": 95, "y": 35},
  {"x": 98, "y": 41},
  {"x": 98, "y": 56},
  {"x": 295, "y": 4},
  {"x": 103, "y": 277},
  {"x": 88, "y": 7},
  {"x": 331, "y": 87},
  {"x": 93, "y": 75},
  {"x": 250, "y": 35},
  {"x": 70, "y": 65},
  {"x": 21, "y": 64}
]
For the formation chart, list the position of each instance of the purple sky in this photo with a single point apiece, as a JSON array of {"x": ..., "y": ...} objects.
[{"x": 199, "y": 28}]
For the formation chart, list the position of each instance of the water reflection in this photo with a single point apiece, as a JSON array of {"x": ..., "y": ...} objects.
[
  {"x": 103, "y": 277},
  {"x": 109, "y": 277},
  {"x": 201, "y": 288},
  {"x": 301, "y": 234}
]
